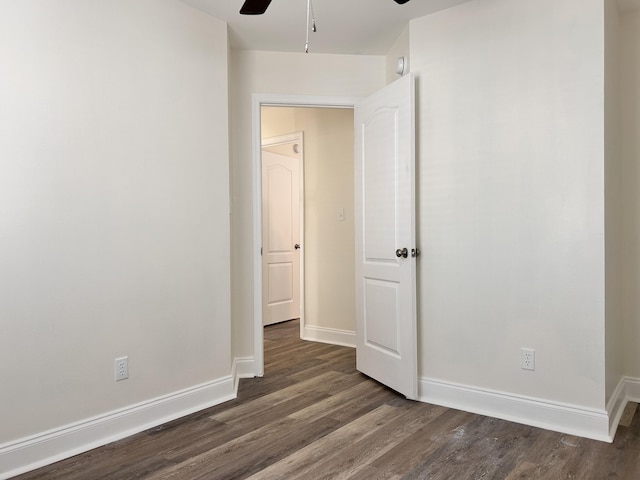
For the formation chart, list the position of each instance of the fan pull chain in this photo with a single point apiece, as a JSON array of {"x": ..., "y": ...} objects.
[{"x": 311, "y": 20}]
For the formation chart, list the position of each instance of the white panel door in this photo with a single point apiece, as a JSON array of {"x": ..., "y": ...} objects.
[
  {"x": 386, "y": 333},
  {"x": 280, "y": 238}
]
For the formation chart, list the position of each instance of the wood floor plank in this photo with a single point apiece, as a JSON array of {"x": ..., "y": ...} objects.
[
  {"x": 628, "y": 442},
  {"x": 243, "y": 426},
  {"x": 628, "y": 414},
  {"x": 356, "y": 407},
  {"x": 422, "y": 443},
  {"x": 525, "y": 470},
  {"x": 348, "y": 462},
  {"x": 372, "y": 473},
  {"x": 315, "y": 384},
  {"x": 298, "y": 464},
  {"x": 343, "y": 399},
  {"x": 344, "y": 362}
]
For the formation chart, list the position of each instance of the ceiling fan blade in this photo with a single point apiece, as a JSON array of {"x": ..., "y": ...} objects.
[
  {"x": 401, "y": 2},
  {"x": 254, "y": 7}
]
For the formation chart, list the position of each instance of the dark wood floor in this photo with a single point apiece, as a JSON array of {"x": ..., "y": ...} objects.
[{"x": 313, "y": 416}]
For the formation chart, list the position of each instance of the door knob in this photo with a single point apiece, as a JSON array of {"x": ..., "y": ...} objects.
[
  {"x": 415, "y": 252},
  {"x": 404, "y": 253},
  {"x": 297, "y": 246}
]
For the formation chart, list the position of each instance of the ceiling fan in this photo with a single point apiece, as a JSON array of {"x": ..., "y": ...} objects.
[{"x": 258, "y": 7}]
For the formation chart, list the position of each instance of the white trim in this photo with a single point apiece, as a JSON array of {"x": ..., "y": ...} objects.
[
  {"x": 243, "y": 367},
  {"x": 628, "y": 390},
  {"x": 318, "y": 101},
  {"x": 283, "y": 139},
  {"x": 632, "y": 389},
  {"x": 616, "y": 406},
  {"x": 57, "y": 444},
  {"x": 257, "y": 101},
  {"x": 334, "y": 336},
  {"x": 258, "y": 329},
  {"x": 559, "y": 417}
]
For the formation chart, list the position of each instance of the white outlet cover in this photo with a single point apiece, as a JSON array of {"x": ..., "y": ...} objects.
[
  {"x": 121, "y": 365},
  {"x": 528, "y": 359}
]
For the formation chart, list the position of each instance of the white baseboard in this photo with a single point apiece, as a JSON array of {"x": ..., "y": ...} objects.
[
  {"x": 570, "y": 419},
  {"x": 54, "y": 445},
  {"x": 616, "y": 406},
  {"x": 628, "y": 390},
  {"x": 243, "y": 367},
  {"x": 632, "y": 389},
  {"x": 334, "y": 336}
]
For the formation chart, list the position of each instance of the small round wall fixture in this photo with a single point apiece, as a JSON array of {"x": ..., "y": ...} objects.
[{"x": 401, "y": 64}]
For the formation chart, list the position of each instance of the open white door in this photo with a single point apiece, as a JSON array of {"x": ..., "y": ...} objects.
[
  {"x": 280, "y": 238},
  {"x": 386, "y": 333}
]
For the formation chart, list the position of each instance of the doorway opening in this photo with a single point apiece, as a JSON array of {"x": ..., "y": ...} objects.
[
  {"x": 327, "y": 244},
  {"x": 384, "y": 222}
]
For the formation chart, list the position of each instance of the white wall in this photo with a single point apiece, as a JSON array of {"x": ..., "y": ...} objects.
[
  {"x": 615, "y": 211},
  {"x": 630, "y": 93},
  {"x": 287, "y": 74},
  {"x": 114, "y": 207},
  {"x": 400, "y": 48},
  {"x": 511, "y": 221},
  {"x": 328, "y": 184},
  {"x": 276, "y": 121}
]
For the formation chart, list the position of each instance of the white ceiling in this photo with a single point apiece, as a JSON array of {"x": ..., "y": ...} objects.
[{"x": 367, "y": 27}]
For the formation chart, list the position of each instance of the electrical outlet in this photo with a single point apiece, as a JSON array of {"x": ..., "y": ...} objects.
[
  {"x": 122, "y": 368},
  {"x": 528, "y": 359}
]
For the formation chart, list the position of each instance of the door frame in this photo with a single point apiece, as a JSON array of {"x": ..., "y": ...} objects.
[
  {"x": 259, "y": 100},
  {"x": 294, "y": 137}
]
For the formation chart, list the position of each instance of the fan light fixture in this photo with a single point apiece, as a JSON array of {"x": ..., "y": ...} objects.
[
  {"x": 254, "y": 7},
  {"x": 311, "y": 24},
  {"x": 258, "y": 7}
]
